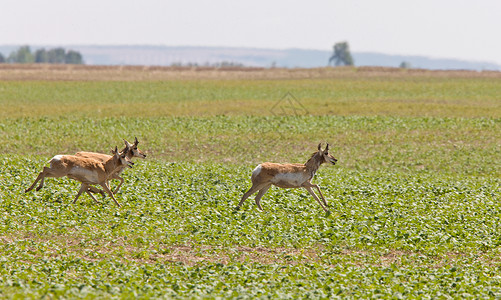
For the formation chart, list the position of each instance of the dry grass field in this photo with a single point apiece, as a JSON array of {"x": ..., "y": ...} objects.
[{"x": 133, "y": 73}]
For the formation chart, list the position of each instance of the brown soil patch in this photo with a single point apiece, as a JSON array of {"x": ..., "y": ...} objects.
[{"x": 192, "y": 255}]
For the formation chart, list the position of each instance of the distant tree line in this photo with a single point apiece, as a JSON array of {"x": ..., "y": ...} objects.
[{"x": 23, "y": 55}]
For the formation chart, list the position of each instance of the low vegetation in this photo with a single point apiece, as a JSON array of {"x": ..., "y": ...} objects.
[{"x": 414, "y": 196}]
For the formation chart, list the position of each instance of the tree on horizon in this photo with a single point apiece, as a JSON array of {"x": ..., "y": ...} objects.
[
  {"x": 341, "y": 55},
  {"x": 23, "y": 55}
]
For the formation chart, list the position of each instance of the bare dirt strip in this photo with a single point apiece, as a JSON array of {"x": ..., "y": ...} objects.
[{"x": 194, "y": 254}]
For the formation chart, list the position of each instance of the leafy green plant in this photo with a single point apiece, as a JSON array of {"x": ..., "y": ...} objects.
[{"x": 178, "y": 235}]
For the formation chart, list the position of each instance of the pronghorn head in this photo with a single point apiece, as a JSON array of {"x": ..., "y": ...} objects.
[
  {"x": 133, "y": 150},
  {"x": 121, "y": 157},
  {"x": 325, "y": 154}
]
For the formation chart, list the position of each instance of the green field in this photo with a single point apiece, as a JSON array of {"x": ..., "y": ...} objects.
[{"x": 415, "y": 196}]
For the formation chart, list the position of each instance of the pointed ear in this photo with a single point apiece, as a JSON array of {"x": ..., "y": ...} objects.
[
  {"x": 136, "y": 141},
  {"x": 127, "y": 144},
  {"x": 320, "y": 147}
]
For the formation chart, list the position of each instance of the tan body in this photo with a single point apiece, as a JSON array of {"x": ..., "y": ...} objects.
[
  {"x": 86, "y": 170},
  {"x": 289, "y": 176},
  {"x": 130, "y": 154}
]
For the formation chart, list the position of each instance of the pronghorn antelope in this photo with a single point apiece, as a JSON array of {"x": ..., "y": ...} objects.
[
  {"x": 86, "y": 170},
  {"x": 289, "y": 176},
  {"x": 131, "y": 153}
]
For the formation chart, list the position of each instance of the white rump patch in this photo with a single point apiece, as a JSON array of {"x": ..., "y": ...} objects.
[
  {"x": 256, "y": 171},
  {"x": 57, "y": 157}
]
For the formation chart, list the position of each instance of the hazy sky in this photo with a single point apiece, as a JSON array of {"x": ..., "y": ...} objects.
[{"x": 441, "y": 28}]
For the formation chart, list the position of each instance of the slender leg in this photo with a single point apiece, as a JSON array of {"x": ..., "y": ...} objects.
[
  {"x": 42, "y": 181},
  {"x": 107, "y": 190},
  {"x": 316, "y": 198},
  {"x": 254, "y": 188},
  {"x": 260, "y": 195},
  {"x": 321, "y": 195},
  {"x": 39, "y": 177},
  {"x": 310, "y": 185},
  {"x": 46, "y": 172},
  {"x": 95, "y": 190},
  {"x": 89, "y": 193},
  {"x": 119, "y": 185},
  {"x": 83, "y": 188}
]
